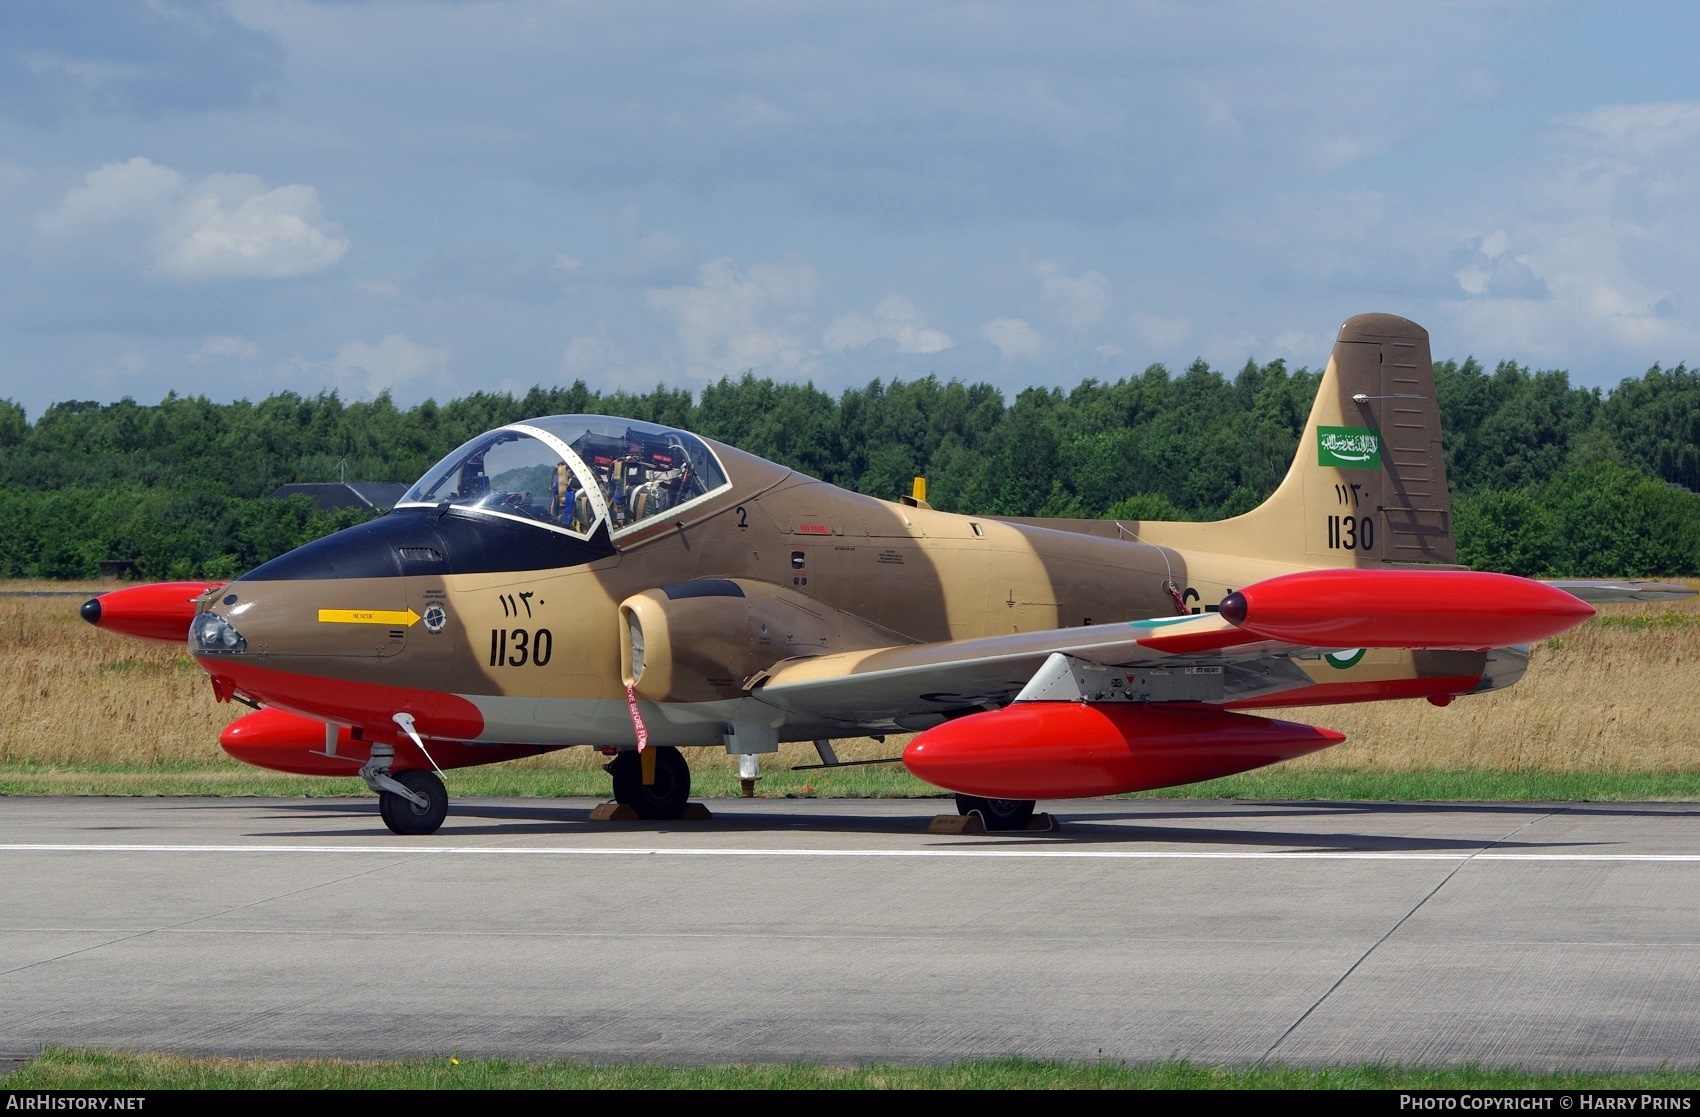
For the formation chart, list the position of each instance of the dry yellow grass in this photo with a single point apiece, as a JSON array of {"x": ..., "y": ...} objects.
[
  {"x": 1608, "y": 697},
  {"x": 1618, "y": 694}
]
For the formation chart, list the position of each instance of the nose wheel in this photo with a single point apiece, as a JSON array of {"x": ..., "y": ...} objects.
[
  {"x": 424, "y": 812},
  {"x": 665, "y": 797},
  {"x": 1000, "y": 814}
]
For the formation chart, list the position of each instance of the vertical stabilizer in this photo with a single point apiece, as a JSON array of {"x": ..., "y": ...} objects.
[
  {"x": 1382, "y": 392},
  {"x": 1368, "y": 484}
]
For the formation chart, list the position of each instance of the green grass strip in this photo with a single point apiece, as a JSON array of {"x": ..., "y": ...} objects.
[
  {"x": 93, "y": 1070},
  {"x": 871, "y": 782}
]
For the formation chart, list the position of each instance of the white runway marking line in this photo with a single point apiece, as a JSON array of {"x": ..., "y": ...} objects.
[{"x": 652, "y": 851}]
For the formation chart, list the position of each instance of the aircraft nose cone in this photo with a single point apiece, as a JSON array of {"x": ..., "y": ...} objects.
[{"x": 91, "y": 610}]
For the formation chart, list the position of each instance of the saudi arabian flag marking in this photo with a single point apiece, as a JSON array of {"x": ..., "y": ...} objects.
[{"x": 1349, "y": 447}]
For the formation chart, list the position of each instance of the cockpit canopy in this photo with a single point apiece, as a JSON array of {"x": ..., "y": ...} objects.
[{"x": 574, "y": 473}]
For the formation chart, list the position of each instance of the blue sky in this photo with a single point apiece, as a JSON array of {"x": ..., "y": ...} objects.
[{"x": 238, "y": 198}]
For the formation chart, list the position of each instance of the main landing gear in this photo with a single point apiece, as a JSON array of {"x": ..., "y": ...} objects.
[
  {"x": 998, "y": 814},
  {"x": 666, "y": 792}
]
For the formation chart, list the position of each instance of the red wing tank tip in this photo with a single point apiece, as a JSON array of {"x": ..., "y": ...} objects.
[
  {"x": 1354, "y": 608},
  {"x": 159, "y": 611}
]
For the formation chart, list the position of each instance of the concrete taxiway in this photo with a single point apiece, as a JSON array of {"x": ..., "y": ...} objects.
[{"x": 1540, "y": 935}]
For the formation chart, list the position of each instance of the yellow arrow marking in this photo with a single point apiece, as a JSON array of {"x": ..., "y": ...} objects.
[{"x": 403, "y": 617}]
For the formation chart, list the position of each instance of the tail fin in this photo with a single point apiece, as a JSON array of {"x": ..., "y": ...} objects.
[{"x": 1368, "y": 485}]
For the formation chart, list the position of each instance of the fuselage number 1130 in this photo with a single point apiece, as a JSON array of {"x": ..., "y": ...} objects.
[{"x": 1351, "y": 533}]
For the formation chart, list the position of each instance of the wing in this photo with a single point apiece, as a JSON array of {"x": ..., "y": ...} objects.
[
  {"x": 1245, "y": 651},
  {"x": 900, "y": 685}
]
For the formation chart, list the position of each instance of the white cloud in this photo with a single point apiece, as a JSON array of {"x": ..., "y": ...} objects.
[
  {"x": 1486, "y": 268},
  {"x": 1014, "y": 338},
  {"x": 730, "y": 321},
  {"x": 590, "y": 357},
  {"x": 1650, "y": 129},
  {"x": 1158, "y": 332},
  {"x": 393, "y": 362},
  {"x": 224, "y": 346},
  {"x": 1306, "y": 348},
  {"x": 128, "y": 363},
  {"x": 139, "y": 190},
  {"x": 896, "y": 319},
  {"x": 1595, "y": 256},
  {"x": 656, "y": 257},
  {"x": 1075, "y": 301},
  {"x": 225, "y": 226}
]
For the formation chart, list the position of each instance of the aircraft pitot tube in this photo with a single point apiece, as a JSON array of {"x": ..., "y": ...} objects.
[{"x": 1046, "y": 750}]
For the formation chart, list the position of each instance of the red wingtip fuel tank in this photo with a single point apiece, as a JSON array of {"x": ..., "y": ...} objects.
[
  {"x": 1067, "y": 750},
  {"x": 285, "y": 742},
  {"x": 159, "y": 611},
  {"x": 1404, "y": 609}
]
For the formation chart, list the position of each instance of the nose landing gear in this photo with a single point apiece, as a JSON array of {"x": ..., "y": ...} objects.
[
  {"x": 421, "y": 813},
  {"x": 412, "y": 802}
]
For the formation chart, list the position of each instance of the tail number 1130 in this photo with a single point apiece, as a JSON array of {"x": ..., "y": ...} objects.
[
  {"x": 1351, "y": 533},
  {"x": 516, "y": 647}
]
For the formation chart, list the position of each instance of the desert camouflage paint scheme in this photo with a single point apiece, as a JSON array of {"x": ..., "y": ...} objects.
[{"x": 579, "y": 580}]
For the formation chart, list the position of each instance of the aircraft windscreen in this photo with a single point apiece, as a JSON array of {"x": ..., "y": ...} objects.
[
  {"x": 642, "y": 469},
  {"x": 509, "y": 472}
]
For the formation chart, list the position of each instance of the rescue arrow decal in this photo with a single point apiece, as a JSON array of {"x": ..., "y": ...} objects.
[{"x": 404, "y": 617}]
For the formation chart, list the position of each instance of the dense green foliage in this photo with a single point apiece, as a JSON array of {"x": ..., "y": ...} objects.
[{"x": 1547, "y": 479}]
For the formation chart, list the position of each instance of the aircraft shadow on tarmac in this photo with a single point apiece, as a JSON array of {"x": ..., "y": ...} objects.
[{"x": 544, "y": 818}]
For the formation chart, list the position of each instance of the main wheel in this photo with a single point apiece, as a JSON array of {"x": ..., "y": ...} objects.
[
  {"x": 403, "y": 816},
  {"x": 663, "y": 799},
  {"x": 1000, "y": 814}
]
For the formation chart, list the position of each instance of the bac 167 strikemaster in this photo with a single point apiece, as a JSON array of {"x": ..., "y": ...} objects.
[{"x": 584, "y": 580}]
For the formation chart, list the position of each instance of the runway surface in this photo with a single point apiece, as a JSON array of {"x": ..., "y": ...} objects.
[{"x": 1538, "y": 935}]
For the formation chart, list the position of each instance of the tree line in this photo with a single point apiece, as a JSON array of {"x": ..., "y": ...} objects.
[{"x": 1547, "y": 479}]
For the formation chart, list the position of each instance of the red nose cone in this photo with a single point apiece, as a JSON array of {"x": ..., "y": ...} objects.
[{"x": 160, "y": 611}]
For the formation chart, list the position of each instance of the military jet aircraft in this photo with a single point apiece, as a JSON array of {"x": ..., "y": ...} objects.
[{"x": 581, "y": 580}]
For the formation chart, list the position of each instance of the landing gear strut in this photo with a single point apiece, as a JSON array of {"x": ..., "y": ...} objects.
[
  {"x": 409, "y": 815},
  {"x": 665, "y": 797},
  {"x": 999, "y": 814}
]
